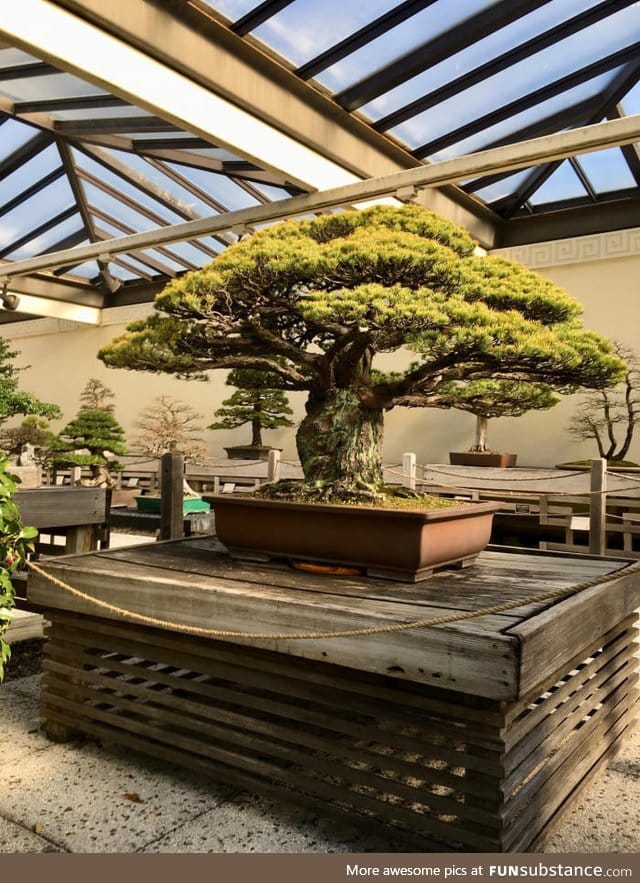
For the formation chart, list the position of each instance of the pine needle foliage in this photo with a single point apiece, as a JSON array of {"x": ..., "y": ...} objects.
[
  {"x": 88, "y": 440},
  {"x": 96, "y": 396},
  {"x": 255, "y": 401},
  {"x": 316, "y": 301}
]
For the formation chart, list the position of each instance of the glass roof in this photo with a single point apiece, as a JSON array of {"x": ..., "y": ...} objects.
[{"x": 436, "y": 78}]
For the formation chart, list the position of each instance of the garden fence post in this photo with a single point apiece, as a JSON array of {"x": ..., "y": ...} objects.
[
  {"x": 598, "y": 507},
  {"x": 409, "y": 471},
  {"x": 75, "y": 475},
  {"x": 273, "y": 466},
  {"x": 171, "y": 496}
]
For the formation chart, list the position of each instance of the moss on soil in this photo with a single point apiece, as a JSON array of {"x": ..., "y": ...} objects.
[{"x": 390, "y": 497}]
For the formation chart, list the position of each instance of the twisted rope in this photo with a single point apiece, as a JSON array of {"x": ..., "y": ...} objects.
[{"x": 346, "y": 633}]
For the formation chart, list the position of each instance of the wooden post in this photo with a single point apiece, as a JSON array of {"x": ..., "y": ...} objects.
[
  {"x": 409, "y": 471},
  {"x": 273, "y": 465},
  {"x": 75, "y": 476},
  {"x": 598, "y": 507},
  {"x": 171, "y": 496}
]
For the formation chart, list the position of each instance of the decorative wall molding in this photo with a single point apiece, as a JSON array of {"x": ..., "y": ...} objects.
[
  {"x": 39, "y": 327},
  {"x": 578, "y": 250}
]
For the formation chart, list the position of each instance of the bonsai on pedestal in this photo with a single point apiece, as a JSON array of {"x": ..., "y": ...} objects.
[
  {"x": 258, "y": 400},
  {"x": 316, "y": 301},
  {"x": 493, "y": 398},
  {"x": 93, "y": 438}
]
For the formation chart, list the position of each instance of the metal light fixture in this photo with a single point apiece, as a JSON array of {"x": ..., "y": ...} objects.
[{"x": 9, "y": 301}]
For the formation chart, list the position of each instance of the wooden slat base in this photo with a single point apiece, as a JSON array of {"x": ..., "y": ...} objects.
[{"x": 443, "y": 770}]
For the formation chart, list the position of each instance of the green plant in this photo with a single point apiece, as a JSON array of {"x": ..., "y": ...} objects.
[
  {"x": 16, "y": 541},
  {"x": 90, "y": 439},
  {"x": 96, "y": 396},
  {"x": 609, "y": 416},
  {"x": 317, "y": 301},
  {"x": 495, "y": 398},
  {"x": 14, "y": 401},
  {"x": 257, "y": 400}
]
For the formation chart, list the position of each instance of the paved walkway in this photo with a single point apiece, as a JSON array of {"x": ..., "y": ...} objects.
[{"x": 84, "y": 798}]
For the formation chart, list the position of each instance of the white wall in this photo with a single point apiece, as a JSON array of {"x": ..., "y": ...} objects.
[{"x": 601, "y": 271}]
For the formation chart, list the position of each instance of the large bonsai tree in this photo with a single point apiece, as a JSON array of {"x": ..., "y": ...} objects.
[
  {"x": 609, "y": 416},
  {"x": 495, "y": 398},
  {"x": 315, "y": 301},
  {"x": 91, "y": 439},
  {"x": 257, "y": 400},
  {"x": 96, "y": 396},
  {"x": 13, "y": 400}
]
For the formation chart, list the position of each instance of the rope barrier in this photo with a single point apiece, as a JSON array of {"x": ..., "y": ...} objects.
[{"x": 346, "y": 633}]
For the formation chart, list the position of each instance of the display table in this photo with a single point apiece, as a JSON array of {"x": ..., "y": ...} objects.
[{"x": 472, "y": 736}]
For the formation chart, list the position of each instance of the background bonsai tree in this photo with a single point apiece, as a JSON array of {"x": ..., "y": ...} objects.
[
  {"x": 315, "y": 301},
  {"x": 14, "y": 401},
  {"x": 97, "y": 397},
  {"x": 258, "y": 400},
  {"x": 168, "y": 424},
  {"x": 33, "y": 431},
  {"x": 495, "y": 398},
  {"x": 91, "y": 439},
  {"x": 609, "y": 416}
]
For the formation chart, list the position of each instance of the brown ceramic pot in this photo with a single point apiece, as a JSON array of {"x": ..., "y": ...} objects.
[
  {"x": 394, "y": 544},
  {"x": 482, "y": 458}
]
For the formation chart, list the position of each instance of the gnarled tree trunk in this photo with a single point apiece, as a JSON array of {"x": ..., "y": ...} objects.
[
  {"x": 340, "y": 442},
  {"x": 481, "y": 434}
]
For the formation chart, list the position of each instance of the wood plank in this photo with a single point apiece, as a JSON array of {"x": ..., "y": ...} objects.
[
  {"x": 23, "y": 626},
  {"x": 63, "y": 507},
  {"x": 549, "y": 639}
]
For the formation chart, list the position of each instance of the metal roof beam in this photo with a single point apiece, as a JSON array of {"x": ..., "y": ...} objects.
[
  {"x": 460, "y": 36},
  {"x": 110, "y": 125},
  {"x": 78, "y": 102},
  {"x": 20, "y": 71},
  {"x": 401, "y": 184},
  {"x": 38, "y": 231},
  {"x": 28, "y": 192},
  {"x": 24, "y": 153},
  {"x": 357, "y": 40},
  {"x": 255, "y": 17},
  {"x": 501, "y": 62}
]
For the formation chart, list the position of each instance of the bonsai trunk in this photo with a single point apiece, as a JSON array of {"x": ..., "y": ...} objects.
[
  {"x": 339, "y": 442},
  {"x": 256, "y": 428},
  {"x": 481, "y": 434}
]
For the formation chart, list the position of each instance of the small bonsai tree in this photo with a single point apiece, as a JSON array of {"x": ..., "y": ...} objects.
[
  {"x": 258, "y": 400},
  {"x": 495, "y": 398},
  {"x": 15, "y": 543},
  {"x": 14, "y": 401},
  {"x": 97, "y": 397},
  {"x": 168, "y": 424},
  {"x": 91, "y": 439},
  {"x": 34, "y": 432},
  {"x": 316, "y": 301},
  {"x": 609, "y": 416}
]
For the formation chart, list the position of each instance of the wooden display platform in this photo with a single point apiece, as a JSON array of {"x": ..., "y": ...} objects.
[{"x": 474, "y": 736}]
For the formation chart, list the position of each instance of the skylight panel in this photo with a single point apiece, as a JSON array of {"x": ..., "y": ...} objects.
[
  {"x": 425, "y": 25},
  {"x": 28, "y": 173},
  {"x": 36, "y": 210},
  {"x": 218, "y": 186},
  {"x": 563, "y": 184},
  {"x": 306, "y": 28},
  {"x": 48, "y": 239},
  {"x": 503, "y": 188},
  {"x": 117, "y": 209},
  {"x": 430, "y": 125},
  {"x": 233, "y": 9},
  {"x": 485, "y": 50},
  {"x": 50, "y": 86},
  {"x": 631, "y": 101},
  {"x": 607, "y": 170},
  {"x": 14, "y": 135},
  {"x": 11, "y": 57},
  {"x": 98, "y": 113}
]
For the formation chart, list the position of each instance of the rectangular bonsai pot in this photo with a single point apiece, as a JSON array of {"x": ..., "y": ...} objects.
[
  {"x": 395, "y": 544},
  {"x": 482, "y": 458}
]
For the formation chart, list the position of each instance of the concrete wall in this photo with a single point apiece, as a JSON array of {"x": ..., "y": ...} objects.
[{"x": 601, "y": 271}]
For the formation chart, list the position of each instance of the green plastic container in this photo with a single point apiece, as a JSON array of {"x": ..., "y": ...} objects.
[{"x": 152, "y": 504}]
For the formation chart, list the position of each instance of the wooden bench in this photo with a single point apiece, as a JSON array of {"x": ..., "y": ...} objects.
[{"x": 472, "y": 736}]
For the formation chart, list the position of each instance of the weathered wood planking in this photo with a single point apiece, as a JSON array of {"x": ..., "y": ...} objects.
[
  {"x": 499, "y": 656},
  {"x": 63, "y": 506},
  {"x": 442, "y": 769}
]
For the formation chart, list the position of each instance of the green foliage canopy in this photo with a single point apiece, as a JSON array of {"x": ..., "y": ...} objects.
[
  {"x": 95, "y": 431},
  {"x": 13, "y": 400}
]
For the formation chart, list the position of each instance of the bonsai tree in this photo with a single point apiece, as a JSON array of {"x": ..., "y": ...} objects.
[
  {"x": 33, "y": 431},
  {"x": 15, "y": 543},
  {"x": 13, "y": 400},
  {"x": 97, "y": 397},
  {"x": 258, "y": 400},
  {"x": 495, "y": 398},
  {"x": 609, "y": 416},
  {"x": 91, "y": 439},
  {"x": 316, "y": 301},
  {"x": 168, "y": 424}
]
